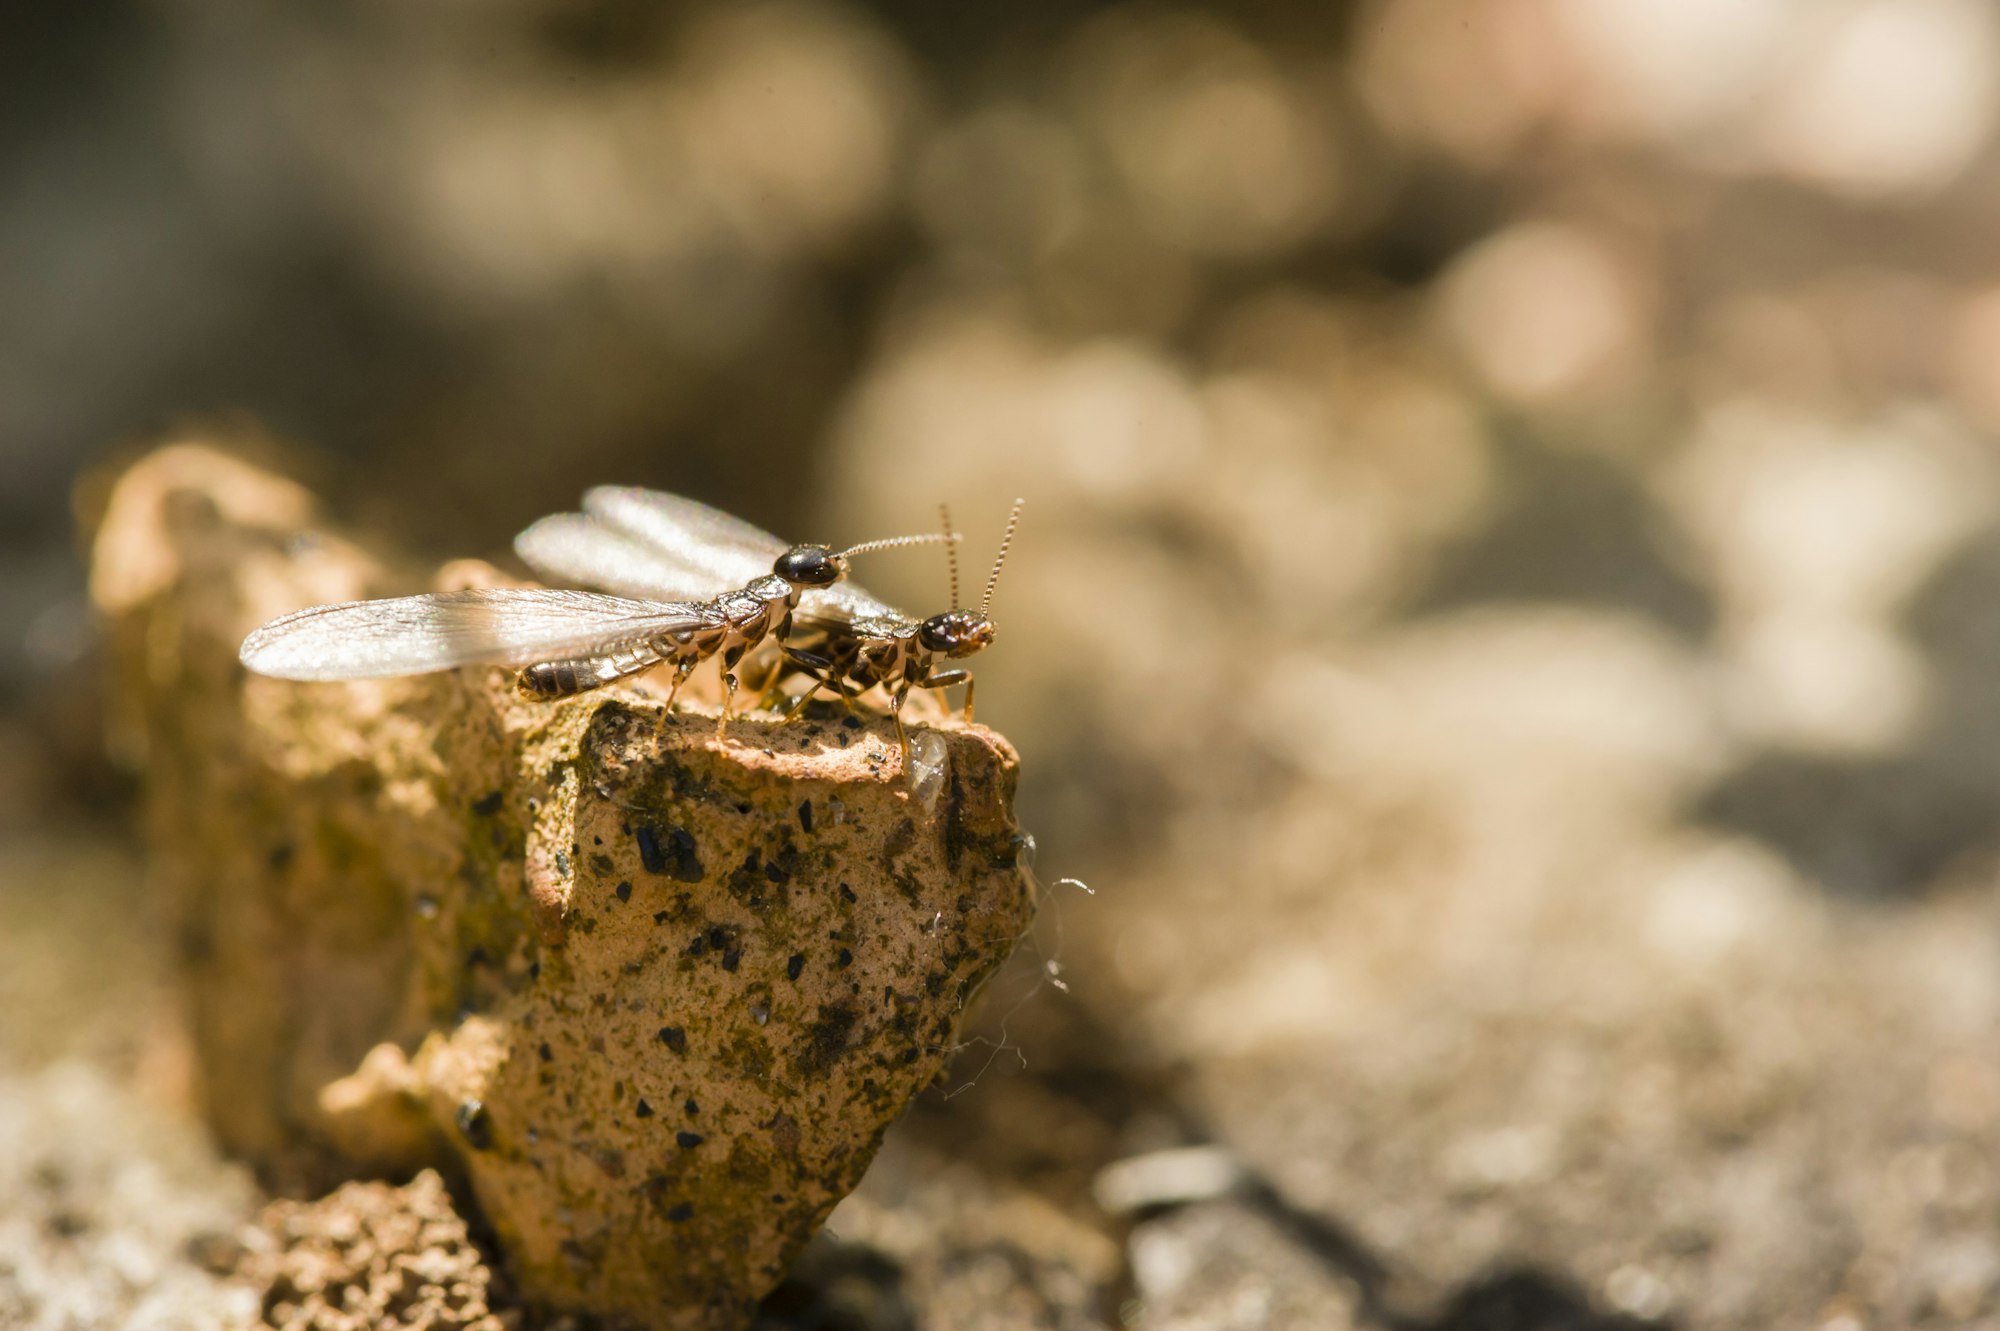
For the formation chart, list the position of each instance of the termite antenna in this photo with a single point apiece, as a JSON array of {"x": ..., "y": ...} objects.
[
  {"x": 925, "y": 538},
  {"x": 993, "y": 579},
  {"x": 950, "y": 551}
]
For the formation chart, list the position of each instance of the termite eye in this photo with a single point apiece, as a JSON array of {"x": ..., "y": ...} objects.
[{"x": 809, "y": 566}]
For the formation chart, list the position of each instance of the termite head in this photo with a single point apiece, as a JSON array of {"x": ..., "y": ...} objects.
[
  {"x": 956, "y": 633},
  {"x": 811, "y": 566},
  {"x": 822, "y": 566},
  {"x": 961, "y": 632}
]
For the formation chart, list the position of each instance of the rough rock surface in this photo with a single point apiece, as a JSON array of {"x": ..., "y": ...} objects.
[
  {"x": 657, "y": 994},
  {"x": 373, "y": 1257}
]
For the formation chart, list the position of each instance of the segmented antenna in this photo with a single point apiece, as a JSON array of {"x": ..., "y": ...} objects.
[
  {"x": 993, "y": 580},
  {"x": 889, "y": 543},
  {"x": 951, "y": 551}
]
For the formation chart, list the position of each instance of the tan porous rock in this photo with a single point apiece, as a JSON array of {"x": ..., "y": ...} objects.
[{"x": 654, "y": 994}]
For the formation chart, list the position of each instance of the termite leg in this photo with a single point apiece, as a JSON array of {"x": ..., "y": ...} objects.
[
  {"x": 681, "y": 672},
  {"x": 811, "y": 664},
  {"x": 944, "y": 679},
  {"x": 770, "y": 683},
  {"x": 728, "y": 699},
  {"x": 820, "y": 681},
  {"x": 798, "y": 706},
  {"x": 896, "y": 715},
  {"x": 729, "y": 660}
]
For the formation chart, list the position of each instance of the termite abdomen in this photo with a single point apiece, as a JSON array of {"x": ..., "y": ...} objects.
[{"x": 552, "y": 679}]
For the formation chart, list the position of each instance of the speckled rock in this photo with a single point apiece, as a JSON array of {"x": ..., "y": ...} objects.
[
  {"x": 373, "y": 1257},
  {"x": 657, "y": 994}
]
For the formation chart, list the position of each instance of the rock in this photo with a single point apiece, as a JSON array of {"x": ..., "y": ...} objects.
[
  {"x": 372, "y": 1257},
  {"x": 657, "y": 995}
]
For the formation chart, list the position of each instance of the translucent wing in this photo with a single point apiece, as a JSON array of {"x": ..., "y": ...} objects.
[
  {"x": 810, "y": 625},
  {"x": 413, "y": 635},
  {"x": 648, "y": 543},
  {"x": 576, "y": 547},
  {"x": 845, "y": 601},
  {"x": 686, "y": 529}
]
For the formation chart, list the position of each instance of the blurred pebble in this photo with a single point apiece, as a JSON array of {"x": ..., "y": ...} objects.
[
  {"x": 1887, "y": 97},
  {"x": 1166, "y": 1178}
]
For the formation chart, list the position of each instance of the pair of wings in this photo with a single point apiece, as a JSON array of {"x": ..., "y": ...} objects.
[
  {"x": 665, "y": 557},
  {"x": 657, "y": 546}
]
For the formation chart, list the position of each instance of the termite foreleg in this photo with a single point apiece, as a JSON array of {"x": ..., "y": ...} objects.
[{"x": 944, "y": 679}]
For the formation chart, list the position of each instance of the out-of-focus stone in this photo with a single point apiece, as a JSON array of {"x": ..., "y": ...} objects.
[
  {"x": 115, "y": 1213},
  {"x": 657, "y": 994},
  {"x": 974, "y": 1249},
  {"x": 1223, "y": 1265}
]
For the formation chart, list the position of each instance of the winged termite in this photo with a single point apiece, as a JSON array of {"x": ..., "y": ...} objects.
[
  {"x": 566, "y": 642},
  {"x": 892, "y": 649},
  {"x": 642, "y": 543}
]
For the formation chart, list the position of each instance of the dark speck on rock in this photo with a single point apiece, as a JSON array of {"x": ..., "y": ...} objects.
[
  {"x": 687, "y": 1141},
  {"x": 671, "y": 852},
  {"x": 732, "y": 958},
  {"x": 642, "y": 1109},
  {"x": 674, "y": 1038},
  {"x": 488, "y": 805},
  {"x": 851, "y": 722},
  {"x": 548, "y": 1054},
  {"x": 680, "y": 1211},
  {"x": 691, "y": 1107},
  {"x": 845, "y": 959},
  {"x": 806, "y": 815},
  {"x": 847, "y": 893},
  {"x": 624, "y": 891},
  {"x": 795, "y": 966},
  {"x": 475, "y": 1124}
]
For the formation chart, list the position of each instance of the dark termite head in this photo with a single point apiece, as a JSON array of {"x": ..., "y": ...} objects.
[
  {"x": 956, "y": 633},
  {"x": 811, "y": 566},
  {"x": 821, "y": 566}
]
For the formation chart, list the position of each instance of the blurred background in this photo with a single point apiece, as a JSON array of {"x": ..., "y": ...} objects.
[{"x": 1504, "y": 619}]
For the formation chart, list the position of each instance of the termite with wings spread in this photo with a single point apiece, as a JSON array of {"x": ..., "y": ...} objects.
[
  {"x": 567, "y": 642},
  {"x": 626, "y": 541}
]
